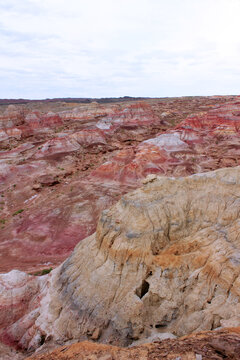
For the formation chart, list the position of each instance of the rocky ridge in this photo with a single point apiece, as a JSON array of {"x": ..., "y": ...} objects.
[{"x": 165, "y": 258}]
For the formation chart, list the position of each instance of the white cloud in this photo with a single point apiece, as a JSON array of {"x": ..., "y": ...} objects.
[{"x": 57, "y": 48}]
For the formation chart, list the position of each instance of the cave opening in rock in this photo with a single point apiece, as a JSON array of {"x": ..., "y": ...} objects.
[
  {"x": 158, "y": 326},
  {"x": 143, "y": 289}
]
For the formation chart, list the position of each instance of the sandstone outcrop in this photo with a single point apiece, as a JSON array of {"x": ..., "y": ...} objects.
[
  {"x": 215, "y": 345},
  {"x": 165, "y": 258}
]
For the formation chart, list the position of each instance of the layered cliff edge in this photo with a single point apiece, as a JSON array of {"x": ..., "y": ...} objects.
[{"x": 165, "y": 258}]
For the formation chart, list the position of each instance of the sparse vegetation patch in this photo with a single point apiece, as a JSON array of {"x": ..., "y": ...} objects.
[{"x": 18, "y": 212}]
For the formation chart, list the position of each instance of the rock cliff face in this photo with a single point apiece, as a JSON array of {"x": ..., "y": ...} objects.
[
  {"x": 165, "y": 258},
  {"x": 62, "y": 164}
]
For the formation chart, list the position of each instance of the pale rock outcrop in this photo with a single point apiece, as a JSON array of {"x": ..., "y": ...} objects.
[
  {"x": 169, "y": 142},
  {"x": 165, "y": 257},
  {"x": 8, "y": 353},
  {"x": 19, "y": 300}
]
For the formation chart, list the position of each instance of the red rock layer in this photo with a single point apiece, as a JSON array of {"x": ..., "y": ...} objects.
[
  {"x": 59, "y": 170},
  {"x": 199, "y": 143}
]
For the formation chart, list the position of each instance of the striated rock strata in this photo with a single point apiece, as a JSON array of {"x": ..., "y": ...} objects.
[
  {"x": 165, "y": 258},
  {"x": 62, "y": 164}
]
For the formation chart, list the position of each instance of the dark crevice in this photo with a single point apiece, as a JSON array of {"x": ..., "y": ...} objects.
[
  {"x": 42, "y": 339},
  {"x": 143, "y": 289},
  {"x": 157, "y": 326}
]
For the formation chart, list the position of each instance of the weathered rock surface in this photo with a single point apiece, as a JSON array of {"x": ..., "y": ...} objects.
[
  {"x": 20, "y": 295},
  {"x": 165, "y": 257},
  {"x": 7, "y": 353},
  {"x": 199, "y": 143},
  {"x": 53, "y": 184},
  {"x": 215, "y": 345}
]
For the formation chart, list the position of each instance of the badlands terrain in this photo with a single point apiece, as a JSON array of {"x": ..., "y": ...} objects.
[{"x": 119, "y": 225}]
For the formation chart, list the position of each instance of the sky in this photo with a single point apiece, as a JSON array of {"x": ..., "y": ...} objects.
[{"x": 109, "y": 48}]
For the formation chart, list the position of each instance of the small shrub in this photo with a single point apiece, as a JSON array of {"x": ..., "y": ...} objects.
[
  {"x": 42, "y": 272},
  {"x": 18, "y": 212},
  {"x": 46, "y": 271},
  {"x": 61, "y": 128}
]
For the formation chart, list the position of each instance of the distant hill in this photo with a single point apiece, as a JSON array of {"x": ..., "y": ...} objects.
[{"x": 70, "y": 100}]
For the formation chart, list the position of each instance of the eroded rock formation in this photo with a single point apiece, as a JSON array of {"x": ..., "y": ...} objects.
[
  {"x": 165, "y": 258},
  {"x": 201, "y": 142},
  {"x": 62, "y": 164}
]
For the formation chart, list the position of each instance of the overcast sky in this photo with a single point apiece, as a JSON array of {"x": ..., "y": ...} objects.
[{"x": 105, "y": 48}]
